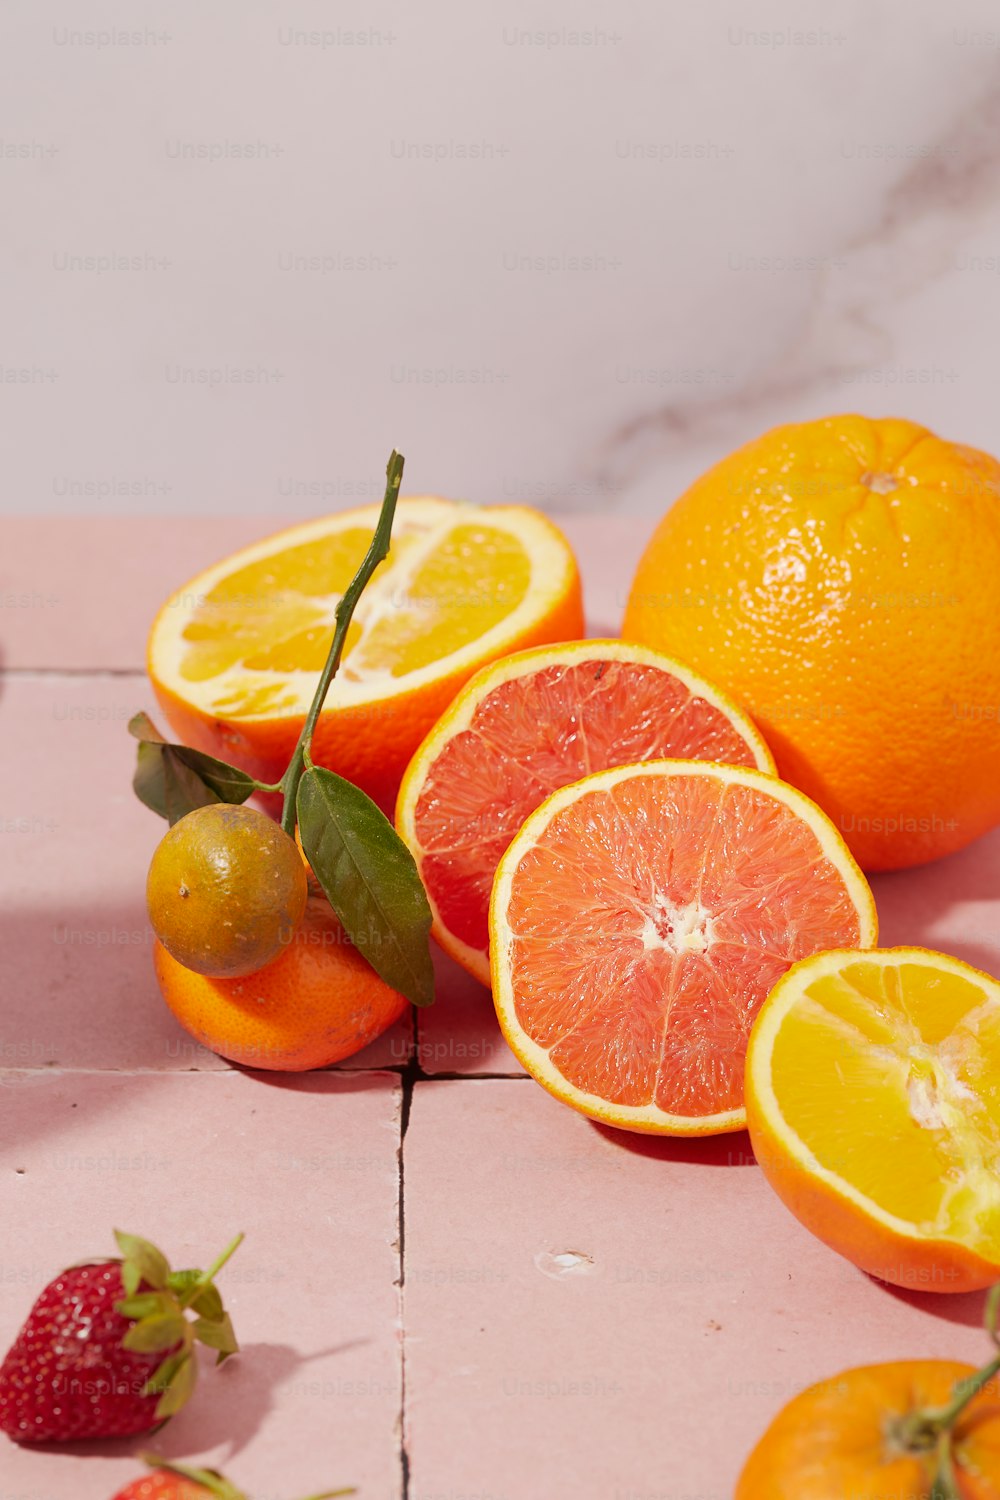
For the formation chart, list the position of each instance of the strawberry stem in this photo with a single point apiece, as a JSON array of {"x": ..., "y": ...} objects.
[
  {"x": 209, "y": 1479},
  {"x": 377, "y": 551},
  {"x": 220, "y": 1261}
]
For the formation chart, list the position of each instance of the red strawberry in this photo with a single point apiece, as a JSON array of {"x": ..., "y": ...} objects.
[
  {"x": 177, "y": 1482},
  {"x": 108, "y": 1348}
]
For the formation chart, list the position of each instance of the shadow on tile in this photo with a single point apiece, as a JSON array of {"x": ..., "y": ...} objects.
[
  {"x": 935, "y": 905},
  {"x": 318, "y": 1081},
  {"x": 79, "y": 992},
  {"x": 951, "y": 1307},
  {"x": 707, "y": 1151},
  {"x": 229, "y": 1406}
]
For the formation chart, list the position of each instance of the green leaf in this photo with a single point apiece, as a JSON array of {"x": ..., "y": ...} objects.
[
  {"x": 208, "y": 1303},
  {"x": 179, "y": 1281},
  {"x": 207, "y": 1479},
  {"x": 229, "y": 783},
  {"x": 161, "y": 1331},
  {"x": 165, "y": 1372},
  {"x": 140, "y": 1256},
  {"x": 173, "y": 780},
  {"x": 180, "y": 1387},
  {"x": 144, "y": 1305},
  {"x": 141, "y": 727},
  {"x": 370, "y": 879},
  {"x": 166, "y": 785},
  {"x": 218, "y": 1334}
]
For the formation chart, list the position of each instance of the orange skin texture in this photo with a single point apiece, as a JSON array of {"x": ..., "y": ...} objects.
[
  {"x": 226, "y": 889},
  {"x": 859, "y": 629},
  {"x": 831, "y": 1442},
  {"x": 369, "y": 744},
  {"x": 919, "y": 1264},
  {"x": 318, "y": 1002}
]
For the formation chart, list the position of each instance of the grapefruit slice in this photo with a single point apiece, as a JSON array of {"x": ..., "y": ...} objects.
[
  {"x": 235, "y": 654},
  {"x": 528, "y": 725},
  {"x": 873, "y": 1100},
  {"x": 639, "y": 920}
]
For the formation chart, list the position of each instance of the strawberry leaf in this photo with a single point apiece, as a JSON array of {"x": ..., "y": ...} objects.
[
  {"x": 180, "y": 1281},
  {"x": 179, "y": 1387},
  {"x": 217, "y": 1333},
  {"x": 144, "y": 1305},
  {"x": 143, "y": 1262},
  {"x": 370, "y": 879},
  {"x": 207, "y": 1479},
  {"x": 165, "y": 1372},
  {"x": 208, "y": 1303},
  {"x": 160, "y": 1331}
]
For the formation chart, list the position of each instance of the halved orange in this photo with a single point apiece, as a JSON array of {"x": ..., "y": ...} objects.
[
  {"x": 640, "y": 918},
  {"x": 873, "y": 1100},
  {"x": 235, "y": 654},
  {"x": 527, "y": 725}
]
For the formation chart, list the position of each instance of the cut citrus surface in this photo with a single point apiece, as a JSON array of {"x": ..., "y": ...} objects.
[
  {"x": 235, "y": 654},
  {"x": 640, "y": 918},
  {"x": 873, "y": 1100},
  {"x": 528, "y": 725}
]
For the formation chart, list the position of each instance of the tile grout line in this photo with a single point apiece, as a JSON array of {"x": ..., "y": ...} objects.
[
  {"x": 406, "y": 1072},
  {"x": 32, "y": 674},
  {"x": 407, "y": 1078}
]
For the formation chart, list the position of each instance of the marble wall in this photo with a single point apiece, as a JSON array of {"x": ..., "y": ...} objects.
[{"x": 559, "y": 253}]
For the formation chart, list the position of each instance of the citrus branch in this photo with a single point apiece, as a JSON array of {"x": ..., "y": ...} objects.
[{"x": 377, "y": 551}]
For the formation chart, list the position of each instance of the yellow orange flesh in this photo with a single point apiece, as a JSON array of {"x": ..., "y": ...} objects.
[
  {"x": 873, "y": 1097},
  {"x": 235, "y": 654},
  {"x": 640, "y": 918}
]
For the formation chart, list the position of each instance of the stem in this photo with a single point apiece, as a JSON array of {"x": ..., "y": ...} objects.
[
  {"x": 376, "y": 553},
  {"x": 209, "y": 1480},
  {"x": 945, "y": 1486},
  {"x": 924, "y": 1430},
  {"x": 965, "y": 1391},
  {"x": 212, "y": 1272},
  {"x": 220, "y": 1260}
]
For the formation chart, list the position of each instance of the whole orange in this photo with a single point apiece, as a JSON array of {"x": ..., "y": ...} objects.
[
  {"x": 318, "y": 1002},
  {"x": 226, "y": 890},
  {"x": 846, "y": 1437},
  {"x": 841, "y": 580}
]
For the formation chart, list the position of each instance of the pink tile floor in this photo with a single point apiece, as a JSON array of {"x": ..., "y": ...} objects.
[{"x": 452, "y": 1287}]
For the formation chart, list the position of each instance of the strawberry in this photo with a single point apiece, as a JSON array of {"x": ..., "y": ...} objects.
[
  {"x": 170, "y": 1481},
  {"x": 108, "y": 1348}
]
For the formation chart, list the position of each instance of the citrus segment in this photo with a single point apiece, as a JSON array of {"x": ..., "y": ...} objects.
[
  {"x": 527, "y": 725},
  {"x": 640, "y": 918},
  {"x": 873, "y": 1090},
  {"x": 235, "y": 654}
]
